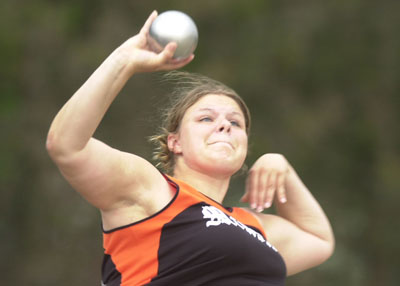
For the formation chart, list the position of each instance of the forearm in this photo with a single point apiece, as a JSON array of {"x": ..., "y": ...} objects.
[
  {"x": 303, "y": 210},
  {"x": 78, "y": 119}
]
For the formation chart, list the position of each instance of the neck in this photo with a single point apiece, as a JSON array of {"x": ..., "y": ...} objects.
[{"x": 211, "y": 186}]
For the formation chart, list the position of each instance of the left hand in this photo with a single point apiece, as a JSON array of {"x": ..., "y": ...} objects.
[{"x": 266, "y": 179}]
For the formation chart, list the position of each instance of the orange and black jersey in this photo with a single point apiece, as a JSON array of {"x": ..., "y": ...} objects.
[{"x": 191, "y": 241}]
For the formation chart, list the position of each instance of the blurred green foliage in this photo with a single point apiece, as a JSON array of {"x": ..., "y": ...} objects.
[{"x": 322, "y": 82}]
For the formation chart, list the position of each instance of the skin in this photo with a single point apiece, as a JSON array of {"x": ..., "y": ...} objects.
[
  {"x": 211, "y": 144},
  {"x": 210, "y": 147}
]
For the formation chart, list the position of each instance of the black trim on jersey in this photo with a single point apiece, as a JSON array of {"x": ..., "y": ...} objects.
[
  {"x": 176, "y": 186},
  {"x": 229, "y": 209}
]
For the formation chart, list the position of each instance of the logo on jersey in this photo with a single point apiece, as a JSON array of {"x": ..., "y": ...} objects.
[{"x": 217, "y": 217}]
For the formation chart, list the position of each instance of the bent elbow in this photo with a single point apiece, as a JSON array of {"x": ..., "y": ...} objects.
[
  {"x": 327, "y": 246},
  {"x": 326, "y": 250},
  {"x": 53, "y": 147},
  {"x": 50, "y": 146},
  {"x": 331, "y": 244},
  {"x": 58, "y": 149},
  {"x": 331, "y": 249},
  {"x": 49, "y": 143}
]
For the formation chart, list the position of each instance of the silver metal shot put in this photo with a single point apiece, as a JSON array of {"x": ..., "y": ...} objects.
[{"x": 175, "y": 26}]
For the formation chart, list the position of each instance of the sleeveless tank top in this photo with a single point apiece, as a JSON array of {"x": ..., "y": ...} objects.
[{"x": 193, "y": 240}]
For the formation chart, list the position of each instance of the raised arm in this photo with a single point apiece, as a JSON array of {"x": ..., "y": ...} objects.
[
  {"x": 300, "y": 230},
  {"x": 106, "y": 177}
]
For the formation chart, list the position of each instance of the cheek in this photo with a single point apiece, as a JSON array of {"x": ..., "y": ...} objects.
[
  {"x": 244, "y": 146},
  {"x": 190, "y": 140},
  {"x": 243, "y": 140}
]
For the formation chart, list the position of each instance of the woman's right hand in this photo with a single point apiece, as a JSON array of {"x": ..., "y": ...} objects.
[{"x": 142, "y": 57}]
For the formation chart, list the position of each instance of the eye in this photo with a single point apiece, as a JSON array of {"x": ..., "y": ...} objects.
[
  {"x": 235, "y": 123},
  {"x": 206, "y": 119}
]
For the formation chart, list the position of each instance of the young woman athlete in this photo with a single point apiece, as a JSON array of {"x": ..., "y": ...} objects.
[{"x": 171, "y": 229}]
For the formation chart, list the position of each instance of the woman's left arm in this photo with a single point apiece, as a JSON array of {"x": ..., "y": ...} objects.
[{"x": 300, "y": 230}]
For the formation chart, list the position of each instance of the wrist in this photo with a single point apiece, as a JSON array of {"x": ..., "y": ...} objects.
[{"x": 120, "y": 59}]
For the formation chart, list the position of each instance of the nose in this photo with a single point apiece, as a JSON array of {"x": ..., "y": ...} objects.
[{"x": 225, "y": 126}]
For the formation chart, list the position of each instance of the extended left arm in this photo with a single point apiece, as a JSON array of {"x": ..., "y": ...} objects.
[{"x": 300, "y": 230}]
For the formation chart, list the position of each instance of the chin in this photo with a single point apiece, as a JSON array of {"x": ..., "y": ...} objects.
[
  {"x": 223, "y": 168},
  {"x": 217, "y": 163}
]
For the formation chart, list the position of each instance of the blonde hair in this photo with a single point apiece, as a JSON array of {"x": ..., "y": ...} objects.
[{"x": 189, "y": 88}]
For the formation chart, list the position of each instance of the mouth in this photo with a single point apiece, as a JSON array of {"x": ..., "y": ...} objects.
[{"x": 222, "y": 143}]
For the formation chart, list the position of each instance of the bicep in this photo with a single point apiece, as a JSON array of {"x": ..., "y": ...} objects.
[
  {"x": 105, "y": 176},
  {"x": 299, "y": 249}
]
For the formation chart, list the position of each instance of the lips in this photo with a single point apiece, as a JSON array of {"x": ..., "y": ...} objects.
[{"x": 222, "y": 142}]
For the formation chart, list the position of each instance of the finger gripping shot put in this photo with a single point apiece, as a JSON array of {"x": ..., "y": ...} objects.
[{"x": 165, "y": 223}]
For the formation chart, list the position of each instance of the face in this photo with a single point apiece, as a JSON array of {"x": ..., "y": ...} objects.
[{"x": 212, "y": 136}]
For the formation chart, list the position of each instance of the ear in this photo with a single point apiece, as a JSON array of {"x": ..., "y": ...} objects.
[{"x": 174, "y": 143}]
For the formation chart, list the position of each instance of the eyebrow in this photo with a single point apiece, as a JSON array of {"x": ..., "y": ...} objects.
[{"x": 213, "y": 111}]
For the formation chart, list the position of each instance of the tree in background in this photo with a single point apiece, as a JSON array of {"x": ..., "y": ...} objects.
[{"x": 321, "y": 80}]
